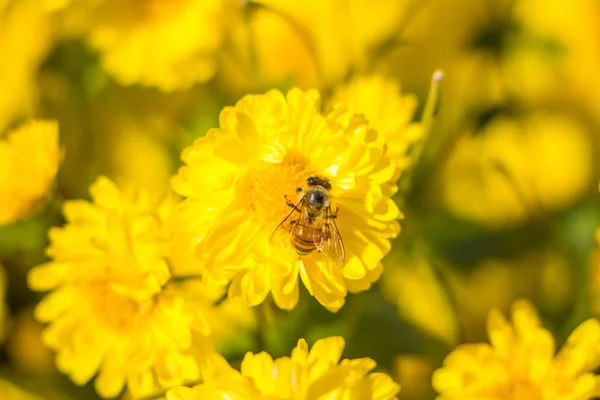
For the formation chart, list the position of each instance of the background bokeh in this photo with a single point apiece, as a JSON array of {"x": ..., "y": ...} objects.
[{"x": 500, "y": 204}]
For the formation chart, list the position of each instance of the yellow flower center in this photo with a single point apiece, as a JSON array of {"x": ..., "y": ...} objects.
[
  {"x": 118, "y": 311},
  {"x": 265, "y": 188}
]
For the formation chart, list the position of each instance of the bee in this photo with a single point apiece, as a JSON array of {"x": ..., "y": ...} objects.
[{"x": 311, "y": 223}]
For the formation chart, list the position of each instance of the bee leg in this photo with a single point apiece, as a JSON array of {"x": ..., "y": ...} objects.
[
  {"x": 334, "y": 215},
  {"x": 290, "y": 204}
]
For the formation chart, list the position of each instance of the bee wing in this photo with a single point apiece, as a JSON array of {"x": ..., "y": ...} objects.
[
  {"x": 330, "y": 242},
  {"x": 282, "y": 235}
]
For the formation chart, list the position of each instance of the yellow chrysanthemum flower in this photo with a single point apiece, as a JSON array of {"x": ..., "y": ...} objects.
[
  {"x": 521, "y": 363},
  {"x": 341, "y": 35},
  {"x": 237, "y": 180},
  {"x": 165, "y": 44},
  {"x": 112, "y": 310},
  {"x": 507, "y": 172},
  {"x": 389, "y": 112},
  {"x": 29, "y": 160},
  {"x": 317, "y": 374},
  {"x": 22, "y": 50}
]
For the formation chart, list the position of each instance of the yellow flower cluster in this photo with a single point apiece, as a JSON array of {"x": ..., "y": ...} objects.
[
  {"x": 112, "y": 310},
  {"x": 521, "y": 363},
  {"x": 389, "y": 112},
  {"x": 237, "y": 180},
  {"x": 118, "y": 309},
  {"x": 315, "y": 374},
  {"x": 170, "y": 45},
  {"x": 20, "y": 56},
  {"x": 278, "y": 147},
  {"x": 31, "y": 150}
]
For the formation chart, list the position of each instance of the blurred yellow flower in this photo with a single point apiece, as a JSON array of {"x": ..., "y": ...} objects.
[
  {"x": 13, "y": 392},
  {"x": 410, "y": 283},
  {"x": 22, "y": 50},
  {"x": 389, "y": 112},
  {"x": 510, "y": 168},
  {"x": 111, "y": 310},
  {"x": 413, "y": 373},
  {"x": 24, "y": 345},
  {"x": 138, "y": 128},
  {"x": 498, "y": 282},
  {"x": 237, "y": 179},
  {"x": 165, "y": 44},
  {"x": 266, "y": 51},
  {"x": 520, "y": 362},
  {"x": 341, "y": 35},
  {"x": 317, "y": 374},
  {"x": 29, "y": 159},
  {"x": 565, "y": 68},
  {"x": 426, "y": 44}
]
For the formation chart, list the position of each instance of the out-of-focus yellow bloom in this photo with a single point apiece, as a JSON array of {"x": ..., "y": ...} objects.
[
  {"x": 499, "y": 282},
  {"x": 267, "y": 51},
  {"x": 317, "y": 374},
  {"x": 138, "y": 158},
  {"x": 111, "y": 310},
  {"x": 341, "y": 35},
  {"x": 520, "y": 362},
  {"x": 24, "y": 345},
  {"x": 560, "y": 52},
  {"x": 29, "y": 160},
  {"x": 411, "y": 284},
  {"x": 413, "y": 373},
  {"x": 165, "y": 44},
  {"x": 389, "y": 112},
  {"x": 138, "y": 128},
  {"x": 236, "y": 181},
  {"x": 12, "y": 392},
  {"x": 427, "y": 44},
  {"x": 508, "y": 172},
  {"x": 22, "y": 50}
]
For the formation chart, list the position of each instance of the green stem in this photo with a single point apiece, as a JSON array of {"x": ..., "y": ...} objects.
[{"x": 430, "y": 111}]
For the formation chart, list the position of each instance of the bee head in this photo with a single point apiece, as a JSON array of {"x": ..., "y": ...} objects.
[
  {"x": 318, "y": 181},
  {"x": 317, "y": 198}
]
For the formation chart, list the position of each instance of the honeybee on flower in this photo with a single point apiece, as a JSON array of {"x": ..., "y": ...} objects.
[
  {"x": 236, "y": 179},
  {"x": 311, "y": 223}
]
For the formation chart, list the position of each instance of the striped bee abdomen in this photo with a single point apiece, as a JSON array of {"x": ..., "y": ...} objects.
[{"x": 304, "y": 237}]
